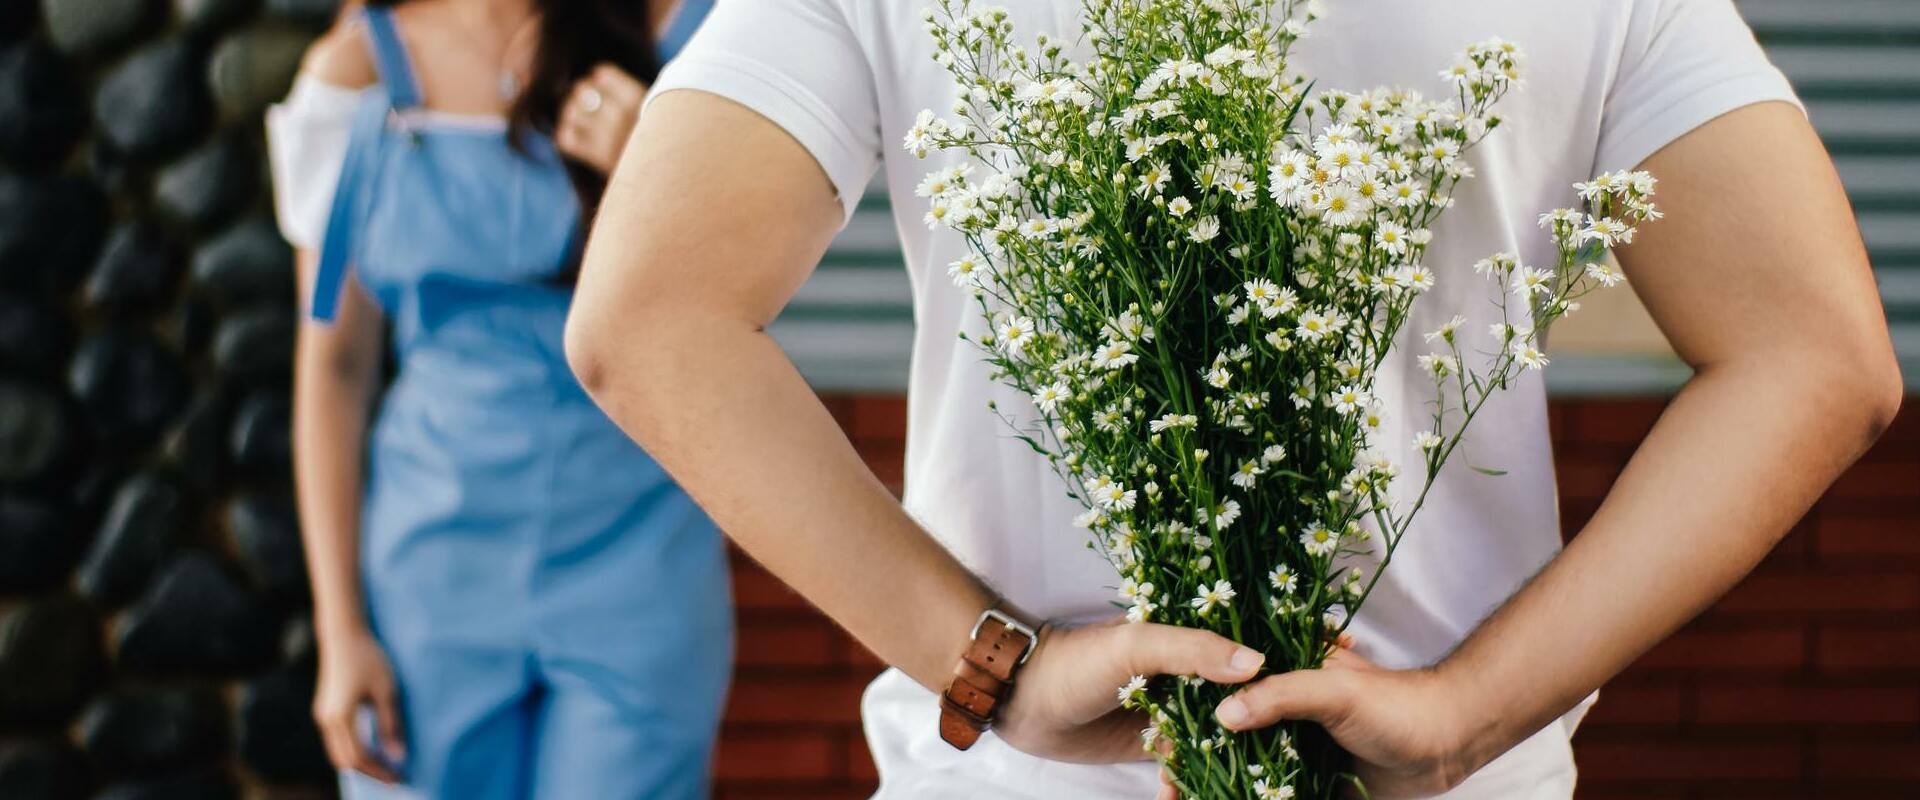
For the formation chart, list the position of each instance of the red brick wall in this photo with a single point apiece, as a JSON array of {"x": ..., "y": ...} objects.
[{"x": 1803, "y": 683}]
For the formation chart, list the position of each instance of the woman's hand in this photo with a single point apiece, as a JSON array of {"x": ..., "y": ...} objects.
[
  {"x": 598, "y": 116},
  {"x": 1066, "y": 704},
  {"x": 354, "y": 672}
]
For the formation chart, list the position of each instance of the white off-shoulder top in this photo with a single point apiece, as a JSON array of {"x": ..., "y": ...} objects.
[{"x": 306, "y": 147}]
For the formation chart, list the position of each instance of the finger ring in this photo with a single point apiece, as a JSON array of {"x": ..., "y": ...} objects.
[{"x": 590, "y": 99}]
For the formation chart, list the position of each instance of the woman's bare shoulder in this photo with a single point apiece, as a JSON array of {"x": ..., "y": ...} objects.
[{"x": 342, "y": 56}]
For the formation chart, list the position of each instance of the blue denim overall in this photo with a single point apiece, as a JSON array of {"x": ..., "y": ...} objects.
[{"x": 556, "y": 610}]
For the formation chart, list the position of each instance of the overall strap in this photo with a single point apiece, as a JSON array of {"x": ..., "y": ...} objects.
[
  {"x": 686, "y": 19},
  {"x": 390, "y": 57},
  {"x": 337, "y": 244},
  {"x": 363, "y": 158}
]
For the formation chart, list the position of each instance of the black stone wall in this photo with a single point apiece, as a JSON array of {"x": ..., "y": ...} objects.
[{"x": 154, "y": 640}]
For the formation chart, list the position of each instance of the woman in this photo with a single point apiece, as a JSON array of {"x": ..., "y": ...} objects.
[{"x": 527, "y": 603}]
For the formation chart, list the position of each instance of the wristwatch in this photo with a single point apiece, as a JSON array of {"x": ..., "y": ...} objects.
[{"x": 998, "y": 646}]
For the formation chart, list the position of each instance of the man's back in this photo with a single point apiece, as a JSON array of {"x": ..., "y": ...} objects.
[{"x": 1606, "y": 86}]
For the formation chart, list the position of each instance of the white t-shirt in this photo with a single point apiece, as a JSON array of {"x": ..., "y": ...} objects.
[{"x": 1608, "y": 83}]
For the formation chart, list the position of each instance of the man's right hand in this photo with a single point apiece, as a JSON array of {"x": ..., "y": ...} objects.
[{"x": 1066, "y": 703}]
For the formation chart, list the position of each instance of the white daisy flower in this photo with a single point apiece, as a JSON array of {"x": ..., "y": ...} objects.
[
  {"x": 1225, "y": 513},
  {"x": 1343, "y": 205},
  {"x": 1416, "y": 277},
  {"x": 966, "y": 271},
  {"x": 1391, "y": 237},
  {"x": 1016, "y": 333},
  {"x": 1248, "y": 473},
  {"x": 1313, "y": 325},
  {"x": 1129, "y": 326},
  {"x": 1188, "y": 421},
  {"x": 1272, "y": 791},
  {"x": 1116, "y": 353},
  {"x": 1347, "y": 399},
  {"x": 1049, "y": 398},
  {"x": 1239, "y": 186},
  {"x": 1560, "y": 217},
  {"x": 1287, "y": 174},
  {"x": 1529, "y": 356},
  {"x": 919, "y": 138},
  {"x": 1179, "y": 206},
  {"x": 1406, "y": 194},
  {"x": 1496, "y": 264},
  {"x": 1262, "y": 292},
  {"x": 1211, "y": 597},
  {"x": 1133, "y": 688},
  {"x": 1447, "y": 330},
  {"x": 1141, "y": 611},
  {"x": 1439, "y": 155},
  {"x": 1037, "y": 228},
  {"x": 1607, "y": 231},
  {"x": 1153, "y": 179},
  {"x": 1600, "y": 185},
  {"x": 938, "y": 214},
  {"x": 1115, "y": 498},
  {"x": 1284, "y": 579},
  {"x": 1204, "y": 229},
  {"x": 1606, "y": 274},
  {"x": 1528, "y": 281},
  {"x": 1319, "y": 541},
  {"x": 1439, "y": 365}
]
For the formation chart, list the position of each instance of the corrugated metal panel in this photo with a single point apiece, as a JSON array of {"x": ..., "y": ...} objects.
[
  {"x": 1837, "y": 19},
  {"x": 1856, "y": 64}
]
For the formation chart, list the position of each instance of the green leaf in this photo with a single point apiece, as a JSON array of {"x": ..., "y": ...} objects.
[{"x": 1489, "y": 471}]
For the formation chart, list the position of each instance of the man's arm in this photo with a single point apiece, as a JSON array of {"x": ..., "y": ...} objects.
[
  {"x": 1759, "y": 279},
  {"x": 713, "y": 218},
  {"x": 702, "y": 238}
]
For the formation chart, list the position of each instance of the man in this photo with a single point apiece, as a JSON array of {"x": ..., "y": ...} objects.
[{"x": 1483, "y": 645}]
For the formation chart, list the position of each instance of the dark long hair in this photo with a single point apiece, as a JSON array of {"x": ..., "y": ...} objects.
[{"x": 576, "y": 36}]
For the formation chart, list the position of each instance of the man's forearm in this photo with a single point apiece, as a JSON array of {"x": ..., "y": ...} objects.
[
  {"x": 1738, "y": 457},
  {"x": 719, "y": 405}
]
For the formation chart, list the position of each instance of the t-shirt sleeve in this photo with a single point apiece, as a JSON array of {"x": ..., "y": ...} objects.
[
  {"x": 307, "y": 135},
  {"x": 800, "y": 64},
  {"x": 1685, "y": 62}
]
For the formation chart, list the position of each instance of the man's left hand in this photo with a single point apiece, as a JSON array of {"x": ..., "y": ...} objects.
[{"x": 1408, "y": 731}]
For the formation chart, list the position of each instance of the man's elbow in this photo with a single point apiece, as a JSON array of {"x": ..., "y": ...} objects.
[
  {"x": 610, "y": 345},
  {"x": 1868, "y": 378},
  {"x": 1886, "y": 390},
  {"x": 588, "y": 342}
]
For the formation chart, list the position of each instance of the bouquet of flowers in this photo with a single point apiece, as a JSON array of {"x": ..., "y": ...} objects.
[{"x": 1197, "y": 266}]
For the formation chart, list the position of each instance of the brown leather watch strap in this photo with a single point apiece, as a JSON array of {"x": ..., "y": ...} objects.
[{"x": 983, "y": 678}]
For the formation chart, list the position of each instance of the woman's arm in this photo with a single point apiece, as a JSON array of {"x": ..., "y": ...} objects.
[
  {"x": 336, "y": 370},
  {"x": 1759, "y": 280}
]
